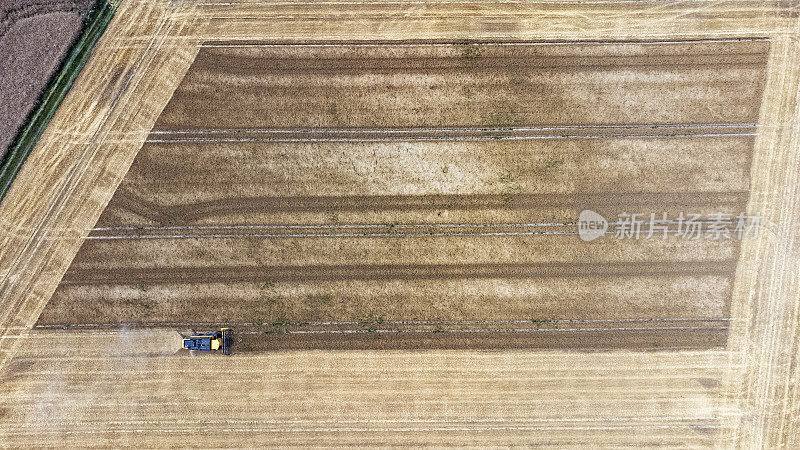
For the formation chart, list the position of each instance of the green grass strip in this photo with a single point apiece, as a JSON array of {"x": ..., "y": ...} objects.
[{"x": 96, "y": 22}]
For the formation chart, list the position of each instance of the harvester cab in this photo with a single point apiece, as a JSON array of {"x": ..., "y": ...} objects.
[{"x": 215, "y": 341}]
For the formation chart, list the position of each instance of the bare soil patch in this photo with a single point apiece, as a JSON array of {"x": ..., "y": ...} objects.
[{"x": 292, "y": 184}]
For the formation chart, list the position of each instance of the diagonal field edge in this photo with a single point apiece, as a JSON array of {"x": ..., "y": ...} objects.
[{"x": 99, "y": 17}]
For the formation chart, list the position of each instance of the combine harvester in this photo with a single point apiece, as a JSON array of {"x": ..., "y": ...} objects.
[{"x": 215, "y": 341}]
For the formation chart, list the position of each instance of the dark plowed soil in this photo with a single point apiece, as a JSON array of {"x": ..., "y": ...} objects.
[{"x": 34, "y": 36}]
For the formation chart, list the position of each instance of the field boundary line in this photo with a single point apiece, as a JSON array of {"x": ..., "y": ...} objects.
[
  {"x": 148, "y": 325},
  {"x": 60, "y": 83}
]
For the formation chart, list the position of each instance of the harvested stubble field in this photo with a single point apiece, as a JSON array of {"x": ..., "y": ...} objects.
[
  {"x": 381, "y": 199},
  {"x": 352, "y": 398}
]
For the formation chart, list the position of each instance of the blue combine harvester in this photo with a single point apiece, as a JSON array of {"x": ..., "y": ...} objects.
[{"x": 215, "y": 341}]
